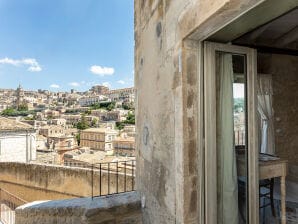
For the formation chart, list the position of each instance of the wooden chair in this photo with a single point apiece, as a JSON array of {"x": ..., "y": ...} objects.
[{"x": 266, "y": 188}]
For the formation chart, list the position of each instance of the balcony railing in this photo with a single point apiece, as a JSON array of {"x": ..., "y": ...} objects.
[
  {"x": 8, "y": 203},
  {"x": 109, "y": 177},
  {"x": 239, "y": 137}
]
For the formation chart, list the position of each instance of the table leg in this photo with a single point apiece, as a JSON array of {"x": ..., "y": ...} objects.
[{"x": 283, "y": 199}]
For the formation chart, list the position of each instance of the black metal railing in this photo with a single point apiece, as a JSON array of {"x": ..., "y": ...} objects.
[
  {"x": 8, "y": 203},
  {"x": 109, "y": 177},
  {"x": 239, "y": 137}
]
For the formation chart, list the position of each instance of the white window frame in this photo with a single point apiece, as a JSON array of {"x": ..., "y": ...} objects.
[{"x": 210, "y": 49}]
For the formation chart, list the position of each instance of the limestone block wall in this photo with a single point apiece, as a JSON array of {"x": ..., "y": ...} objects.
[
  {"x": 284, "y": 70},
  {"x": 168, "y": 100},
  {"x": 33, "y": 182},
  {"x": 122, "y": 208}
]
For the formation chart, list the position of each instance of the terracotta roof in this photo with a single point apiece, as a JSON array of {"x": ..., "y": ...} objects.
[{"x": 13, "y": 125}]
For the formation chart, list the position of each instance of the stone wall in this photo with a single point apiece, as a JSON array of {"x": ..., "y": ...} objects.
[
  {"x": 33, "y": 182},
  {"x": 284, "y": 70},
  {"x": 122, "y": 209},
  {"x": 169, "y": 88}
]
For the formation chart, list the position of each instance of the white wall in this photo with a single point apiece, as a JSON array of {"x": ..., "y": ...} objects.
[{"x": 17, "y": 147}]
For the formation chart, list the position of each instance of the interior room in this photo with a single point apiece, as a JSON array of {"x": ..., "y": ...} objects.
[{"x": 277, "y": 91}]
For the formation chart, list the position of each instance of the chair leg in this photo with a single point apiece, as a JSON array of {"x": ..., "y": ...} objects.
[
  {"x": 264, "y": 211},
  {"x": 271, "y": 197}
]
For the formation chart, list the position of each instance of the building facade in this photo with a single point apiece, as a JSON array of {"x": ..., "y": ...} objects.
[
  {"x": 104, "y": 115},
  {"x": 52, "y": 131},
  {"x": 90, "y": 100},
  {"x": 98, "y": 138},
  {"x": 126, "y": 95},
  {"x": 17, "y": 141},
  {"x": 124, "y": 146},
  {"x": 100, "y": 90}
]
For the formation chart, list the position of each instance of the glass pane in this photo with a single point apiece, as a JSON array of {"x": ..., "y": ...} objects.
[{"x": 231, "y": 138}]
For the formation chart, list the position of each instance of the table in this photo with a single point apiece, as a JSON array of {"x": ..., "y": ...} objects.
[{"x": 267, "y": 170}]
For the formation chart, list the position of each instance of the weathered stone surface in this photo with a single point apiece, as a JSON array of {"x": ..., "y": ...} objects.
[
  {"x": 284, "y": 69},
  {"x": 33, "y": 182},
  {"x": 168, "y": 91},
  {"x": 123, "y": 208}
]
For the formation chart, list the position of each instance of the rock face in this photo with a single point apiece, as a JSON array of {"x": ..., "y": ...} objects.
[{"x": 122, "y": 208}]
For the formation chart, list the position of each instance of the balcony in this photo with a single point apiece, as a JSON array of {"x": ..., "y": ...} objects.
[{"x": 80, "y": 193}]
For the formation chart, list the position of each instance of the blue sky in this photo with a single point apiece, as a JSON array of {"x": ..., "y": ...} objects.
[{"x": 64, "y": 44}]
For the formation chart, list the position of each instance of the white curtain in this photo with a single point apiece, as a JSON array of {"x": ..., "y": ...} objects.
[
  {"x": 227, "y": 170},
  {"x": 266, "y": 114}
]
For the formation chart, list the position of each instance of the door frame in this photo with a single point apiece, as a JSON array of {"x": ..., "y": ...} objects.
[{"x": 210, "y": 49}]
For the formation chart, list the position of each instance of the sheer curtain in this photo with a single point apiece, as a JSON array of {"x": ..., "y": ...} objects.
[
  {"x": 266, "y": 113},
  {"x": 227, "y": 170}
]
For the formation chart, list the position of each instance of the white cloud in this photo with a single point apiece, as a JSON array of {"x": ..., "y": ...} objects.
[
  {"x": 55, "y": 86},
  {"x": 121, "y": 82},
  {"x": 33, "y": 65},
  {"x": 34, "y": 69},
  {"x": 102, "y": 71},
  {"x": 107, "y": 84},
  {"x": 74, "y": 84}
]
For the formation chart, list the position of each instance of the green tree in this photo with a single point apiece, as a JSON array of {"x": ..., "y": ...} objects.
[
  {"x": 125, "y": 107},
  {"x": 78, "y": 138},
  {"x": 23, "y": 107},
  {"x": 120, "y": 125},
  {"x": 94, "y": 122},
  {"x": 87, "y": 112},
  {"x": 8, "y": 112},
  {"x": 111, "y": 106},
  {"x": 82, "y": 124},
  {"x": 95, "y": 106},
  {"x": 103, "y": 105},
  {"x": 130, "y": 118}
]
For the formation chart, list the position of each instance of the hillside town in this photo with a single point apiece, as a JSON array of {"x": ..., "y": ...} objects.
[{"x": 67, "y": 128}]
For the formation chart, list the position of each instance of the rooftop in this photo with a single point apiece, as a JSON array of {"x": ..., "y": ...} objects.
[
  {"x": 13, "y": 125},
  {"x": 100, "y": 130}
]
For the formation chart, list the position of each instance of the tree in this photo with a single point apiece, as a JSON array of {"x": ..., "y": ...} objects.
[
  {"x": 82, "y": 124},
  {"x": 8, "y": 112},
  {"x": 130, "y": 119},
  {"x": 128, "y": 106},
  {"x": 111, "y": 106},
  {"x": 23, "y": 107},
  {"x": 95, "y": 106},
  {"x": 94, "y": 122},
  {"x": 78, "y": 138},
  {"x": 103, "y": 105},
  {"x": 120, "y": 125},
  {"x": 125, "y": 107}
]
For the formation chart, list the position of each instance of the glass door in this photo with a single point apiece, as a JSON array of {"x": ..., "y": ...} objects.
[{"x": 231, "y": 155}]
